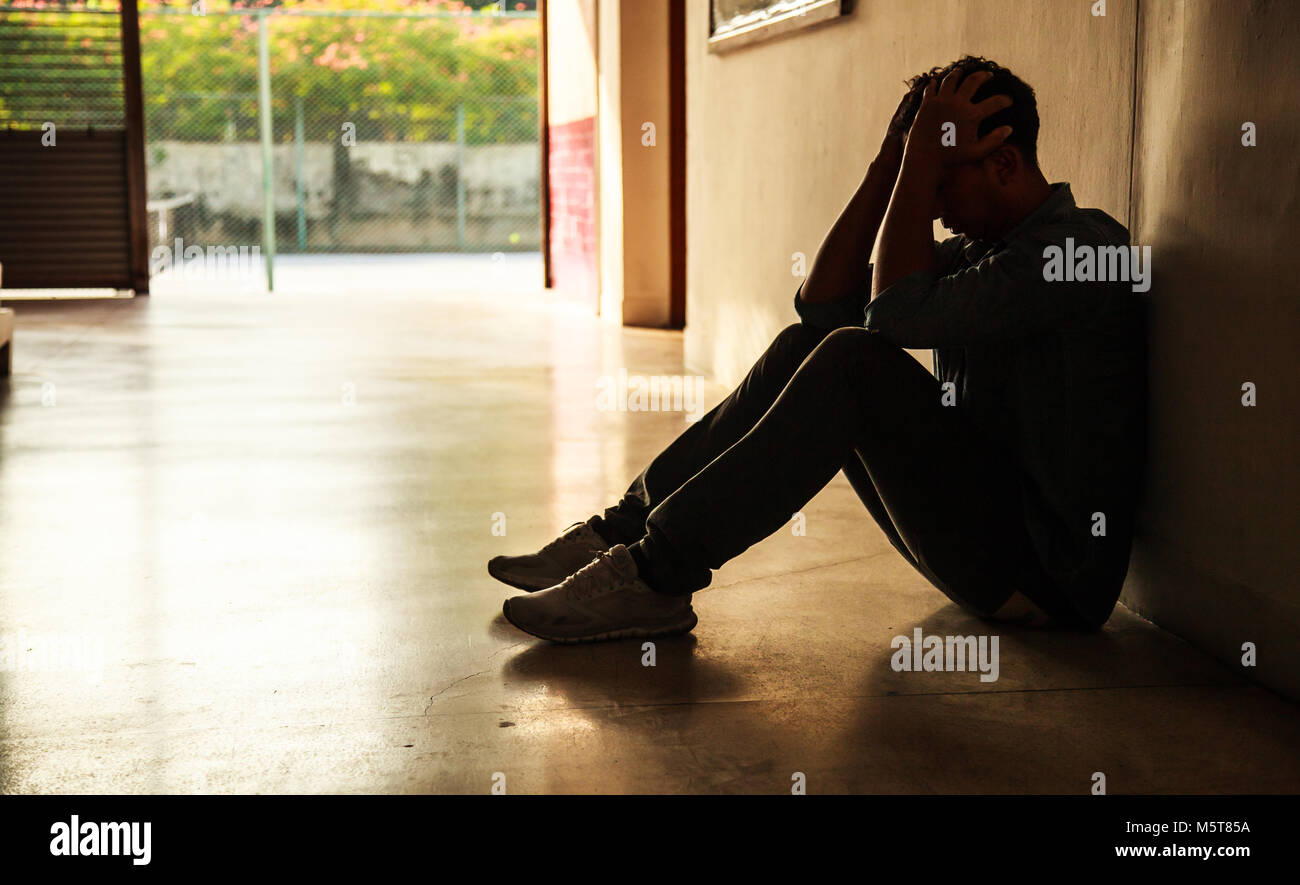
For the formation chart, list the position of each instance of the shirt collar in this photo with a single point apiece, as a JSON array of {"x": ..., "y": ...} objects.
[{"x": 1059, "y": 201}]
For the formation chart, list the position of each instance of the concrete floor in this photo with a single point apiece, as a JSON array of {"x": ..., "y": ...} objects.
[{"x": 284, "y": 575}]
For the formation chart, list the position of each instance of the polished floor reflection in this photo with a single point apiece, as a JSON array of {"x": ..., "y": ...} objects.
[{"x": 243, "y": 543}]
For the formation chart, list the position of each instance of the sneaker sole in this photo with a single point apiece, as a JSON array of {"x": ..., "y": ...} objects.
[{"x": 684, "y": 626}]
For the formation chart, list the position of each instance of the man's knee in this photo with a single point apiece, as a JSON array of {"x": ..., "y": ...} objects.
[
  {"x": 797, "y": 341},
  {"x": 850, "y": 336},
  {"x": 881, "y": 372},
  {"x": 858, "y": 346},
  {"x": 799, "y": 333}
]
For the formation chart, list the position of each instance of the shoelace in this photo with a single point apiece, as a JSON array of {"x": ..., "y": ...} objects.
[
  {"x": 586, "y": 583},
  {"x": 562, "y": 539}
]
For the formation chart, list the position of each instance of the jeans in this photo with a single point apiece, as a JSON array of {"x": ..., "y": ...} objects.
[{"x": 815, "y": 403}]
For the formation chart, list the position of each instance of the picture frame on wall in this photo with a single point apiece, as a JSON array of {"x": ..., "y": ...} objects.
[{"x": 737, "y": 23}]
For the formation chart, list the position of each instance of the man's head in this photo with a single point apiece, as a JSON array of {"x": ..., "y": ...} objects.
[{"x": 981, "y": 199}]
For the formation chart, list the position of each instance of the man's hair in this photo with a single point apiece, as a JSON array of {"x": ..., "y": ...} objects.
[{"x": 1022, "y": 116}]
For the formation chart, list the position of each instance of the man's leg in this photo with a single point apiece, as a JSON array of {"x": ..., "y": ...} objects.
[
  {"x": 624, "y": 523},
  {"x": 713, "y": 434},
  {"x": 1017, "y": 608},
  {"x": 948, "y": 500}
]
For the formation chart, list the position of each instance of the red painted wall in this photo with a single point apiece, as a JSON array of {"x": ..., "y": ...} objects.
[{"x": 572, "y": 159}]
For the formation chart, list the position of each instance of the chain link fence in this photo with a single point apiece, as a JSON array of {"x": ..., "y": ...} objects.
[{"x": 387, "y": 125}]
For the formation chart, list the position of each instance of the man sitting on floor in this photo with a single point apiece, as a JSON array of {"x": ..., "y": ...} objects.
[{"x": 1009, "y": 481}]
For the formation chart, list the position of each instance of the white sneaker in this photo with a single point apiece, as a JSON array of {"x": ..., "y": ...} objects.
[
  {"x": 573, "y": 549},
  {"x": 603, "y": 600}
]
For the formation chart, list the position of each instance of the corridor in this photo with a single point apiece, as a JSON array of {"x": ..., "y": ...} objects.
[{"x": 263, "y": 521}]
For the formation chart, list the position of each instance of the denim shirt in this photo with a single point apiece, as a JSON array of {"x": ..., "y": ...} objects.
[{"x": 1053, "y": 372}]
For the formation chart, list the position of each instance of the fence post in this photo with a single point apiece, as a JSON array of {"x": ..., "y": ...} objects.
[
  {"x": 460, "y": 176},
  {"x": 268, "y": 177},
  {"x": 297, "y": 173}
]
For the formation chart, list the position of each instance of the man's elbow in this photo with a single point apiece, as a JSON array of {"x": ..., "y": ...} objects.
[
  {"x": 902, "y": 332},
  {"x": 887, "y": 330},
  {"x": 881, "y": 322}
]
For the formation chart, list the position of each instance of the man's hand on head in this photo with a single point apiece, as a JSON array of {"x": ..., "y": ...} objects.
[
  {"x": 891, "y": 147},
  {"x": 946, "y": 129},
  {"x": 842, "y": 263},
  {"x": 903, "y": 114},
  {"x": 944, "y": 133}
]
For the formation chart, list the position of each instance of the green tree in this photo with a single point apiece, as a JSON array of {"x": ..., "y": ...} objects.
[{"x": 394, "y": 74}]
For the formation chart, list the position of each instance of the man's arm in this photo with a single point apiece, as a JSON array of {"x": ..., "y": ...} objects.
[
  {"x": 907, "y": 240},
  {"x": 1001, "y": 298},
  {"x": 842, "y": 263}
]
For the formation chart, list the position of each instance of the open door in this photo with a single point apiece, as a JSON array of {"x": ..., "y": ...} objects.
[{"x": 614, "y": 177}]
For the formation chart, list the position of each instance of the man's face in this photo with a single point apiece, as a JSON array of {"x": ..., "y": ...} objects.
[{"x": 968, "y": 200}]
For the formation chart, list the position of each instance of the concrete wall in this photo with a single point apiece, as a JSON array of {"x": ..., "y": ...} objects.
[
  {"x": 645, "y": 162},
  {"x": 634, "y": 173},
  {"x": 1218, "y": 559},
  {"x": 780, "y": 133},
  {"x": 499, "y": 178}
]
